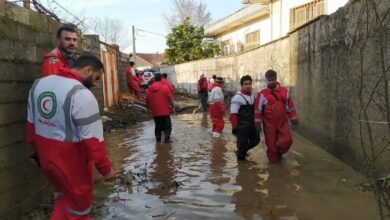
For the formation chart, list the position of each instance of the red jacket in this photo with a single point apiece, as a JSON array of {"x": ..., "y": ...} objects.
[
  {"x": 210, "y": 86},
  {"x": 132, "y": 81},
  {"x": 53, "y": 61},
  {"x": 202, "y": 84},
  {"x": 139, "y": 80},
  {"x": 265, "y": 100},
  {"x": 167, "y": 84},
  {"x": 67, "y": 137},
  {"x": 159, "y": 99},
  {"x": 94, "y": 148}
]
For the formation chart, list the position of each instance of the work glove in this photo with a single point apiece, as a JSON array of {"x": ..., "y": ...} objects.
[
  {"x": 295, "y": 126},
  {"x": 235, "y": 131}
]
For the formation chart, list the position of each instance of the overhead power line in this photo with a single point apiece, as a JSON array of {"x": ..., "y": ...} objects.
[{"x": 150, "y": 32}]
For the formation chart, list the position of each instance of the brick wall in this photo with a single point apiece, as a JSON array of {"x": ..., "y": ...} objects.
[
  {"x": 123, "y": 62},
  {"x": 91, "y": 44},
  {"x": 24, "y": 37}
]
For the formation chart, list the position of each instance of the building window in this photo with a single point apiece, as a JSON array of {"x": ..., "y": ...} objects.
[
  {"x": 252, "y": 40},
  {"x": 240, "y": 47},
  {"x": 306, "y": 12},
  {"x": 226, "y": 47}
]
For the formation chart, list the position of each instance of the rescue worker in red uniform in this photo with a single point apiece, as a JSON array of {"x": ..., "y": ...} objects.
[
  {"x": 132, "y": 81},
  {"x": 211, "y": 82},
  {"x": 65, "y": 128},
  {"x": 64, "y": 54},
  {"x": 139, "y": 79},
  {"x": 139, "y": 82},
  {"x": 242, "y": 110},
  {"x": 273, "y": 108},
  {"x": 217, "y": 107},
  {"x": 60, "y": 57},
  {"x": 165, "y": 82},
  {"x": 160, "y": 104},
  {"x": 202, "y": 91}
]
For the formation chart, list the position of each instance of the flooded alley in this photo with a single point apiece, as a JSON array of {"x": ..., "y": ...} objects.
[
  {"x": 101, "y": 109},
  {"x": 196, "y": 177}
]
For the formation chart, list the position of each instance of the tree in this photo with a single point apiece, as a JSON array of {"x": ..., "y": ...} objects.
[
  {"x": 183, "y": 9},
  {"x": 185, "y": 44},
  {"x": 111, "y": 30}
]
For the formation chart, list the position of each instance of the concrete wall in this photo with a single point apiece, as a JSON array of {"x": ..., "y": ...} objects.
[
  {"x": 24, "y": 37},
  {"x": 255, "y": 62},
  {"x": 91, "y": 44},
  {"x": 123, "y": 62},
  {"x": 333, "y": 79},
  {"x": 325, "y": 73}
]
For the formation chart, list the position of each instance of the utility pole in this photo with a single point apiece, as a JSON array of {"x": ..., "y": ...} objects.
[{"x": 134, "y": 55}]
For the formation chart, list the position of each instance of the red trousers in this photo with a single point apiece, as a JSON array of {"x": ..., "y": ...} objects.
[
  {"x": 278, "y": 141},
  {"x": 60, "y": 211},
  {"x": 71, "y": 203},
  {"x": 135, "y": 90},
  {"x": 277, "y": 132},
  {"x": 217, "y": 112},
  {"x": 70, "y": 174}
]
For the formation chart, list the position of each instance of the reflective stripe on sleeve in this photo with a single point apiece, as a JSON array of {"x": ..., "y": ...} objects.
[
  {"x": 68, "y": 119},
  {"x": 80, "y": 213},
  {"x": 290, "y": 110},
  {"x": 293, "y": 118},
  {"x": 88, "y": 120},
  {"x": 32, "y": 99}
]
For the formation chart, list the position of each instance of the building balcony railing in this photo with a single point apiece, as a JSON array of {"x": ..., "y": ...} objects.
[{"x": 255, "y": 1}]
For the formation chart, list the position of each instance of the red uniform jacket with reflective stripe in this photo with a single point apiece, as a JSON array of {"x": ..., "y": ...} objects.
[
  {"x": 265, "y": 101},
  {"x": 53, "y": 62},
  {"x": 158, "y": 99},
  {"x": 64, "y": 125}
]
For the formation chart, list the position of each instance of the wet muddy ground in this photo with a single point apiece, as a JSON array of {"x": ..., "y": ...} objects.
[{"x": 198, "y": 177}]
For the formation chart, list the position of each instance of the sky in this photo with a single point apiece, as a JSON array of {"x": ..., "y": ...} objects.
[{"x": 145, "y": 15}]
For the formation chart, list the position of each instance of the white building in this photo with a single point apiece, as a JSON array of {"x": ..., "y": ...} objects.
[{"x": 262, "y": 21}]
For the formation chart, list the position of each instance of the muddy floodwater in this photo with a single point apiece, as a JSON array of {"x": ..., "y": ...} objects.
[{"x": 196, "y": 177}]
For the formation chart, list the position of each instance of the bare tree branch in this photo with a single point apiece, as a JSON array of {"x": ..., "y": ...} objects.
[
  {"x": 41, "y": 9},
  {"x": 111, "y": 30},
  {"x": 182, "y": 9}
]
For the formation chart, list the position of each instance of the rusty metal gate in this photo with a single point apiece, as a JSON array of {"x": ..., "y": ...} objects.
[{"x": 110, "y": 76}]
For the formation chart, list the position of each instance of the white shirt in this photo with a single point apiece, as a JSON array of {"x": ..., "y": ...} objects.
[{"x": 239, "y": 100}]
